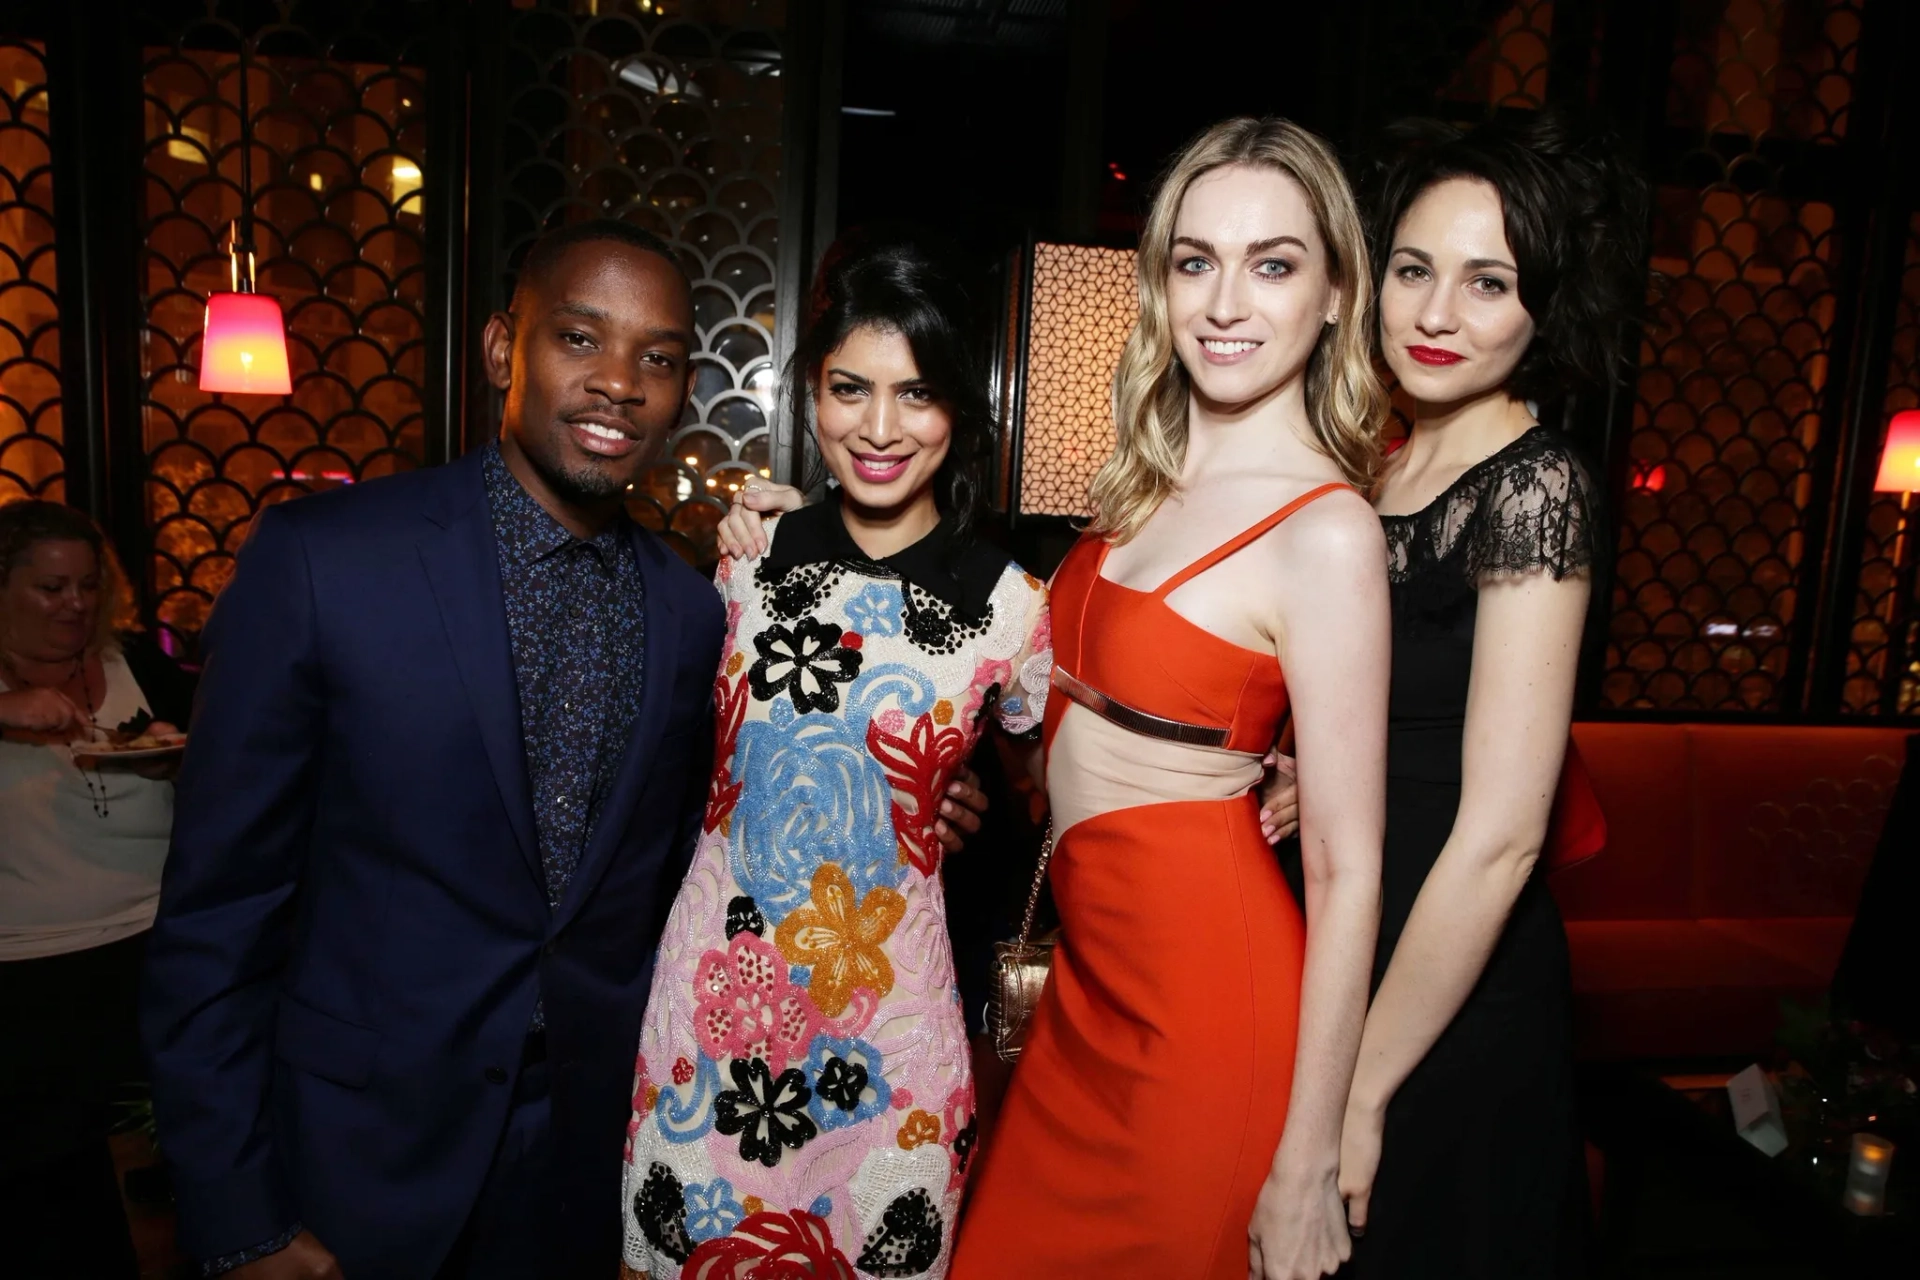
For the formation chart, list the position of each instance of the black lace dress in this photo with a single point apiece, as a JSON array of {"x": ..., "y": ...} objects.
[{"x": 1481, "y": 1171}]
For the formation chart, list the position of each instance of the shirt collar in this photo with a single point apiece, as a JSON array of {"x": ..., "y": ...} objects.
[
  {"x": 961, "y": 574},
  {"x": 526, "y": 531}
]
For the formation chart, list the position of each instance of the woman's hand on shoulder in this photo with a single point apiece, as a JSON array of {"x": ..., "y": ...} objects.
[
  {"x": 47, "y": 713},
  {"x": 743, "y": 532}
]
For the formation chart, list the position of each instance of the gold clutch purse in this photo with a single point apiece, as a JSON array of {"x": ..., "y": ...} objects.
[{"x": 1020, "y": 970}]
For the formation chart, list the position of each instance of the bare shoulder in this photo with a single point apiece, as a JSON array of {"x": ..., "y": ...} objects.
[{"x": 1335, "y": 534}]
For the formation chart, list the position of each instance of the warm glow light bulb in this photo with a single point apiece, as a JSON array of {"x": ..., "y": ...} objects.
[
  {"x": 1900, "y": 457},
  {"x": 244, "y": 348}
]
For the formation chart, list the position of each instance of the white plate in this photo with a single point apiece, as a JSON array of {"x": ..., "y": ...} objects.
[{"x": 101, "y": 752}]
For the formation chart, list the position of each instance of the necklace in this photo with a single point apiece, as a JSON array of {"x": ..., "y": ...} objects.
[{"x": 94, "y": 781}]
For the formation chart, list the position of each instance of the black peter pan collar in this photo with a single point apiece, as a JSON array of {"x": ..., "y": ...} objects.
[{"x": 960, "y": 573}]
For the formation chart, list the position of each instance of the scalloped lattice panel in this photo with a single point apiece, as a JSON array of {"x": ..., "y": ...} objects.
[
  {"x": 1887, "y": 544},
  {"x": 31, "y": 462},
  {"x": 339, "y": 145},
  {"x": 1084, "y": 304},
  {"x": 1734, "y": 369},
  {"x": 666, "y": 115}
]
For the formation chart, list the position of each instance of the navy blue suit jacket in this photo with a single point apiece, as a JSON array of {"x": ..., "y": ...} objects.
[{"x": 354, "y": 922}]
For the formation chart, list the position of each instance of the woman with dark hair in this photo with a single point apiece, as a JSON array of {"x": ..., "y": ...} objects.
[
  {"x": 1510, "y": 267},
  {"x": 79, "y": 882},
  {"x": 803, "y": 1088}
]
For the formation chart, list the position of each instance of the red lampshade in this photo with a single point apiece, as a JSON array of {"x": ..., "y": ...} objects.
[
  {"x": 1900, "y": 459},
  {"x": 245, "y": 346}
]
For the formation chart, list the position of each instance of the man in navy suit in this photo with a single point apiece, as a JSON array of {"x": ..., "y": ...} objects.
[{"x": 448, "y": 765}]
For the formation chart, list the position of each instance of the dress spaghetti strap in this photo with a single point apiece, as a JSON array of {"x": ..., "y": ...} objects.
[{"x": 1240, "y": 540}]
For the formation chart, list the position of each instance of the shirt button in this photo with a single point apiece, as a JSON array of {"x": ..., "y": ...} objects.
[{"x": 496, "y": 1075}]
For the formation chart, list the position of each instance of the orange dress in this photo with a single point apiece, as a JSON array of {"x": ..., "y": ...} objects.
[{"x": 1145, "y": 1110}]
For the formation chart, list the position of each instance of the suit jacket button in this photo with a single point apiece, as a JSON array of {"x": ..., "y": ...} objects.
[{"x": 496, "y": 1075}]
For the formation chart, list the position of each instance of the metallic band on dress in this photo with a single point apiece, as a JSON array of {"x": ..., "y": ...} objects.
[{"x": 1198, "y": 735}]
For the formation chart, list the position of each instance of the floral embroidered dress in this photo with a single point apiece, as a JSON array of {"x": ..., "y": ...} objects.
[{"x": 802, "y": 1091}]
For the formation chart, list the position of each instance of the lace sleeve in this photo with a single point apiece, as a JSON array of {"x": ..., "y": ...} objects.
[
  {"x": 1023, "y": 703},
  {"x": 1539, "y": 510}
]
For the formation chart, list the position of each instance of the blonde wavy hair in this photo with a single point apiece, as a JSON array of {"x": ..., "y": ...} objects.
[{"x": 1346, "y": 403}]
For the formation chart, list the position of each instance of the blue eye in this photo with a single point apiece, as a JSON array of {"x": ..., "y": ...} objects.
[
  {"x": 1274, "y": 268},
  {"x": 1192, "y": 266}
]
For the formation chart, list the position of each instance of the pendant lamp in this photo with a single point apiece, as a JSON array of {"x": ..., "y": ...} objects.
[
  {"x": 244, "y": 347},
  {"x": 1900, "y": 457}
]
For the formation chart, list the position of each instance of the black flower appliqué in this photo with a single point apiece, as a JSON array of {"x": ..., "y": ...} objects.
[
  {"x": 743, "y": 916},
  {"x": 841, "y": 1083},
  {"x": 963, "y": 1143},
  {"x": 661, "y": 1209},
  {"x": 767, "y": 1113},
  {"x": 907, "y": 1241},
  {"x": 807, "y": 662}
]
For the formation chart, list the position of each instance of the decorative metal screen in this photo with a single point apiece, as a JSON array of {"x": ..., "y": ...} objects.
[
  {"x": 1888, "y": 547},
  {"x": 673, "y": 124},
  {"x": 1461, "y": 59},
  {"x": 1733, "y": 374},
  {"x": 1082, "y": 306},
  {"x": 31, "y": 463},
  {"x": 338, "y": 156}
]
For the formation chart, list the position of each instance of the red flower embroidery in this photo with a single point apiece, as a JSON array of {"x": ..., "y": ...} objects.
[
  {"x": 852, "y": 640},
  {"x": 729, "y": 711},
  {"x": 771, "y": 1246},
  {"x": 682, "y": 1071},
  {"x": 918, "y": 765}
]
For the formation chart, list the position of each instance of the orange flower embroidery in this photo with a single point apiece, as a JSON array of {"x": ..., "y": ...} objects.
[
  {"x": 943, "y": 712},
  {"x": 841, "y": 941},
  {"x": 736, "y": 661},
  {"x": 921, "y": 1128},
  {"x": 653, "y": 1095},
  {"x": 753, "y": 1204}
]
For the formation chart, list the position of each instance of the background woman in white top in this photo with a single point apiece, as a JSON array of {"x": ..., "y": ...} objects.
[{"x": 80, "y": 862}]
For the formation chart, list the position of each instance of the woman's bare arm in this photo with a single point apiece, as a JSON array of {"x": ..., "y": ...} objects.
[
  {"x": 1335, "y": 629},
  {"x": 1519, "y": 703}
]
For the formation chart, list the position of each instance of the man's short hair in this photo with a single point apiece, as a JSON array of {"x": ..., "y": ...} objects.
[{"x": 553, "y": 245}]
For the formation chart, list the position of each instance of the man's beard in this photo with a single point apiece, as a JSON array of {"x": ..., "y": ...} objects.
[{"x": 583, "y": 484}]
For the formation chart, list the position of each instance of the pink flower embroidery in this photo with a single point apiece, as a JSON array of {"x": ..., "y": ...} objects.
[
  {"x": 959, "y": 1133},
  {"x": 747, "y": 1008}
]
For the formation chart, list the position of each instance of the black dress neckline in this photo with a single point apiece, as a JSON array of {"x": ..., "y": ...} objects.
[{"x": 1467, "y": 475}]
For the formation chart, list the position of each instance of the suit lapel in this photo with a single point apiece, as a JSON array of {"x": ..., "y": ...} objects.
[
  {"x": 661, "y": 649},
  {"x": 462, "y": 562}
]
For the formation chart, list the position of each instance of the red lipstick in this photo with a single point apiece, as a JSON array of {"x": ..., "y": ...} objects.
[{"x": 1435, "y": 355}]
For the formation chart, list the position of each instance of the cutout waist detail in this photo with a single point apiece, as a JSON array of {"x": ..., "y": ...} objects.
[{"x": 1132, "y": 718}]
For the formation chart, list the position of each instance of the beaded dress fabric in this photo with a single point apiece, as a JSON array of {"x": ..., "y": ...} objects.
[
  {"x": 803, "y": 1091},
  {"x": 1481, "y": 1170}
]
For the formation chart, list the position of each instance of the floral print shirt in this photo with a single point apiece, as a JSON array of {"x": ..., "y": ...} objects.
[{"x": 802, "y": 1089}]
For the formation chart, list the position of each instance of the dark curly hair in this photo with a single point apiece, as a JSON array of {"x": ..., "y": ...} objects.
[
  {"x": 909, "y": 284},
  {"x": 1576, "y": 217}
]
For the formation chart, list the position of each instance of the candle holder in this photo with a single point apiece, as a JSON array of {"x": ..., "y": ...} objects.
[{"x": 1867, "y": 1171}]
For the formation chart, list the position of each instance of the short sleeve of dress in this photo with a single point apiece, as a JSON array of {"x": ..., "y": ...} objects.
[
  {"x": 1022, "y": 705},
  {"x": 1539, "y": 510}
]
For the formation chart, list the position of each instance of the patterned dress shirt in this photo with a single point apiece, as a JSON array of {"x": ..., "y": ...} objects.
[{"x": 576, "y": 624}]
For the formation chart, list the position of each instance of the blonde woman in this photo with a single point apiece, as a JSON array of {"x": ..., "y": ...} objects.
[{"x": 1177, "y": 1110}]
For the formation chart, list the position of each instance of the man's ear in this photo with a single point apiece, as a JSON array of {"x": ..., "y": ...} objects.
[{"x": 496, "y": 350}]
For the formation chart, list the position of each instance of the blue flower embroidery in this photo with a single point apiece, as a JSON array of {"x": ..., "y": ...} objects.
[
  {"x": 812, "y": 794},
  {"x": 878, "y": 610},
  {"x": 685, "y": 1113},
  {"x": 848, "y": 1086},
  {"x": 711, "y": 1210}
]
